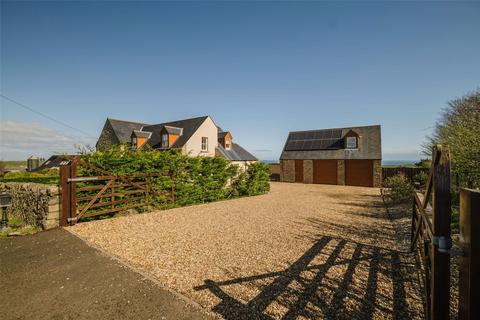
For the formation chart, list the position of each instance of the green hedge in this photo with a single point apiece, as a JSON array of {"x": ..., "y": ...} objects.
[
  {"x": 195, "y": 179},
  {"x": 43, "y": 177},
  {"x": 397, "y": 190}
]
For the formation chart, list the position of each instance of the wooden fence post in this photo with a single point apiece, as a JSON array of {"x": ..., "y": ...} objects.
[
  {"x": 441, "y": 219},
  {"x": 469, "y": 278},
  {"x": 65, "y": 194},
  {"x": 73, "y": 189}
]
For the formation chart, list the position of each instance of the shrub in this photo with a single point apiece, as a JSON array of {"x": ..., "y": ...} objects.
[
  {"x": 421, "y": 178},
  {"x": 195, "y": 179},
  {"x": 424, "y": 163},
  {"x": 397, "y": 190},
  {"x": 44, "y": 176},
  {"x": 2, "y": 169},
  {"x": 254, "y": 181}
]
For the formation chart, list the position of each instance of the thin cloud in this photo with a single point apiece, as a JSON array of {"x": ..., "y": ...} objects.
[{"x": 20, "y": 139}]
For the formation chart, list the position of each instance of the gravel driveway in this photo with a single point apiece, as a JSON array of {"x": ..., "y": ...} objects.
[{"x": 301, "y": 251}]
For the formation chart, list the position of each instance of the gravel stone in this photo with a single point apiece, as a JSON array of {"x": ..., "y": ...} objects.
[{"x": 301, "y": 251}]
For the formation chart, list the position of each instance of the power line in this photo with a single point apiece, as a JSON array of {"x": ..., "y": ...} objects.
[{"x": 46, "y": 116}]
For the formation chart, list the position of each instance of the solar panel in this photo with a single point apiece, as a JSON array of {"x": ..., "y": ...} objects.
[{"x": 315, "y": 140}]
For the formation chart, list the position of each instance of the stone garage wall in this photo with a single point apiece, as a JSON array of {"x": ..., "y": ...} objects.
[
  {"x": 287, "y": 173},
  {"x": 377, "y": 173},
  {"x": 36, "y": 204},
  {"x": 308, "y": 171}
]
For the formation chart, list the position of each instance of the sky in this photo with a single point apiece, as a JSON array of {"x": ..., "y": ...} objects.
[{"x": 259, "y": 69}]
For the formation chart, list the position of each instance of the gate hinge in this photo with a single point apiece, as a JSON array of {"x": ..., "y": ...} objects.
[{"x": 444, "y": 245}]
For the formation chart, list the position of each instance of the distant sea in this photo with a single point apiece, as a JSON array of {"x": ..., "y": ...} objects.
[
  {"x": 384, "y": 162},
  {"x": 398, "y": 162}
]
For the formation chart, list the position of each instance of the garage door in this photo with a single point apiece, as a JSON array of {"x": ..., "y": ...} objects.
[
  {"x": 298, "y": 170},
  {"x": 359, "y": 173},
  {"x": 325, "y": 171}
]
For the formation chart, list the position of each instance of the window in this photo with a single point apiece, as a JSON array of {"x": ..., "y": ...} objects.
[
  {"x": 165, "y": 140},
  {"x": 351, "y": 142},
  {"x": 204, "y": 144},
  {"x": 134, "y": 143},
  {"x": 227, "y": 144}
]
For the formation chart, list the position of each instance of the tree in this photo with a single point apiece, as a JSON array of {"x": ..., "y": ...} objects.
[{"x": 459, "y": 128}]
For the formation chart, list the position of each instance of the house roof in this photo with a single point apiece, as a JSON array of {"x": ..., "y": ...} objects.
[
  {"x": 54, "y": 161},
  {"x": 222, "y": 134},
  {"x": 329, "y": 144},
  {"x": 236, "y": 153},
  {"x": 123, "y": 129},
  {"x": 188, "y": 126},
  {"x": 174, "y": 130},
  {"x": 141, "y": 134}
]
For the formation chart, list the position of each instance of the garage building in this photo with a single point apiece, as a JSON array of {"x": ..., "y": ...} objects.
[{"x": 343, "y": 156}]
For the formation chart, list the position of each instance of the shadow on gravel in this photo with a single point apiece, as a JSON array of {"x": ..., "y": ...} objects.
[
  {"x": 335, "y": 278},
  {"x": 307, "y": 301}
]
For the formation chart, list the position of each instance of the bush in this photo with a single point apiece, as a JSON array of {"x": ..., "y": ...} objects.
[
  {"x": 2, "y": 169},
  {"x": 421, "y": 178},
  {"x": 44, "y": 176},
  {"x": 424, "y": 163},
  {"x": 397, "y": 190},
  {"x": 254, "y": 181},
  {"x": 195, "y": 179}
]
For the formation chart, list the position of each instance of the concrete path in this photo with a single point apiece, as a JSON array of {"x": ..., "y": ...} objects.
[{"x": 55, "y": 275}]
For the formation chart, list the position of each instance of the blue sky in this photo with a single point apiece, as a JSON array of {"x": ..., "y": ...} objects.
[{"x": 260, "y": 69}]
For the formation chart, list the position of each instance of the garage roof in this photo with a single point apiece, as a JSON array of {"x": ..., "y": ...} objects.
[{"x": 329, "y": 144}]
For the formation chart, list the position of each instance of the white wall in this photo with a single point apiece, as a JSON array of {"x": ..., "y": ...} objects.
[
  {"x": 193, "y": 146},
  {"x": 242, "y": 164}
]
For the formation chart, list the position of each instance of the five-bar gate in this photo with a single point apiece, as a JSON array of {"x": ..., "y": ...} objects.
[{"x": 431, "y": 236}]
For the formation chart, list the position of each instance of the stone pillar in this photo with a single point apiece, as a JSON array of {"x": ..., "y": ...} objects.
[
  {"x": 341, "y": 172},
  {"x": 287, "y": 170},
  {"x": 377, "y": 173},
  {"x": 52, "y": 220},
  {"x": 308, "y": 171}
]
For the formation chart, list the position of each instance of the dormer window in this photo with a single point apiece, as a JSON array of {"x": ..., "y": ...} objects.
[
  {"x": 351, "y": 143},
  {"x": 165, "y": 140},
  {"x": 228, "y": 144}
]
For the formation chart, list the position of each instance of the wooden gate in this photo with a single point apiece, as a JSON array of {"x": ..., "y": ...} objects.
[
  {"x": 105, "y": 193},
  {"x": 430, "y": 225},
  {"x": 431, "y": 237}
]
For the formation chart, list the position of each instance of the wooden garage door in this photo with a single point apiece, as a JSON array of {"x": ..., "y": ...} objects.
[
  {"x": 325, "y": 171},
  {"x": 298, "y": 170},
  {"x": 359, "y": 173}
]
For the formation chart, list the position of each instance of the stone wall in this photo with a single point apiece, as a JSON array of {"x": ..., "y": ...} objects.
[
  {"x": 341, "y": 172},
  {"x": 107, "y": 138},
  {"x": 377, "y": 173},
  {"x": 287, "y": 173},
  {"x": 308, "y": 171},
  {"x": 36, "y": 204}
]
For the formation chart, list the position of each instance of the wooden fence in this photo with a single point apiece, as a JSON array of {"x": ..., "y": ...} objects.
[
  {"x": 431, "y": 238},
  {"x": 409, "y": 173},
  {"x": 104, "y": 193}
]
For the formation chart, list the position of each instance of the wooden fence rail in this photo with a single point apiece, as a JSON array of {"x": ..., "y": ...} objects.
[
  {"x": 430, "y": 224},
  {"x": 431, "y": 237},
  {"x": 105, "y": 193}
]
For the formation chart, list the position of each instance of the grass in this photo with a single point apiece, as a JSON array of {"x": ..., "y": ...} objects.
[
  {"x": 400, "y": 166},
  {"x": 22, "y": 231},
  {"x": 44, "y": 177},
  {"x": 14, "y": 163},
  {"x": 17, "y": 227}
]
